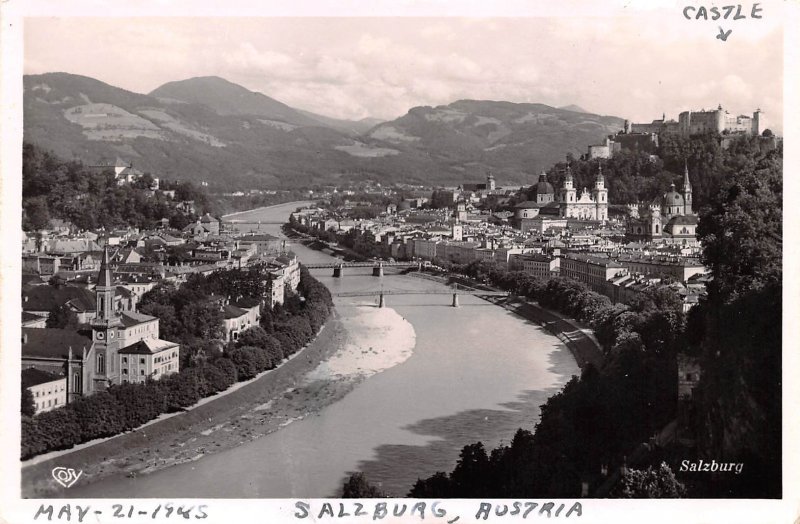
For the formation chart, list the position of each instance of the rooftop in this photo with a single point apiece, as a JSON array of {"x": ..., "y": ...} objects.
[
  {"x": 132, "y": 318},
  {"x": 33, "y": 377},
  {"x": 53, "y": 343},
  {"x": 148, "y": 346}
]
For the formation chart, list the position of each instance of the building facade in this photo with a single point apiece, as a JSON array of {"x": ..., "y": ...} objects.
[{"x": 591, "y": 270}]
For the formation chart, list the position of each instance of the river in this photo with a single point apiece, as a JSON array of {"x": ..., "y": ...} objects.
[{"x": 453, "y": 376}]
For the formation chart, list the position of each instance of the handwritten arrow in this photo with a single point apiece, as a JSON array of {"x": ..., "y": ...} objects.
[{"x": 723, "y": 35}]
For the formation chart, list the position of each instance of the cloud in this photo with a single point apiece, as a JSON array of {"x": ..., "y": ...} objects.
[{"x": 635, "y": 66}]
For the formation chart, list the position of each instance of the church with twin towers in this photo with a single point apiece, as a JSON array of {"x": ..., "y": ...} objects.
[{"x": 567, "y": 202}]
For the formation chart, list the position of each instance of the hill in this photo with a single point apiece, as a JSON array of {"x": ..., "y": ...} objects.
[
  {"x": 515, "y": 141},
  {"x": 227, "y": 98},
  {"x": 573, "y": 107},
  {"x": 208, "y": 129}
]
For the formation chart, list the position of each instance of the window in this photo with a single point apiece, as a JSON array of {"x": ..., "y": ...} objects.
[
  {"x": 141, "y": 372},
  {"x": 141, "y": 360},
  {"x": 124, "y": 360},
  {"x": 124, "y": 371},
  {"x": 101, "y": 364}
]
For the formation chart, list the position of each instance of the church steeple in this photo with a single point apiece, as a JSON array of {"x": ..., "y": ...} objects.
[
  {"x": 104, "y": 370},
  {"x": 687, "y": 191},
  {"x": 687, "y": 186},
  {"x": 600, "y": 194},
  {"x": 104, "y": 292},
  {"x": 568, "y": 180},
  {"x": 599, "y": 181},
  {"x": 104, "y": 278}
]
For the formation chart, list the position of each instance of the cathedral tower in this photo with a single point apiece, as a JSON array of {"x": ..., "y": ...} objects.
[
  {"x": 600, "y": 195},
  {"x": 568, "y": 192}
]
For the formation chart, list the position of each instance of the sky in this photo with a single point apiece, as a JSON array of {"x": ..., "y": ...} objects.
[{"x": 635, "y": 64}]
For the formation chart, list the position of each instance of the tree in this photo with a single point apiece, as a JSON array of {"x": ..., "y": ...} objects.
[
  {"x": 137, "y": 403},
  {"x": 181, "y": 390},
  {"x": 469, "y": 478},
  {"x": 28, "y": 406},
  {"x": 99, "y": 415},
  {"x": 245, "y": 361},
  {"x": 228, "y": 369},
  {"x": 436, "y": 486},
  {"x": 768, "y": 133},
  {"x": 650, "y": 484},
  {"x": 61, "y": 317},
  {"x": 216, "y": 379},
  {"x": 357, "y": 487},
  {"x": 254, "y": 336},
  {"x": 741, "y": 230}
]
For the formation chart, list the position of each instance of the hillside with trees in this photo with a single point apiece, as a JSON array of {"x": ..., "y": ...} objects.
[
  {"x": 636, "y": 176},
  {"x": 53, "y": 188}
]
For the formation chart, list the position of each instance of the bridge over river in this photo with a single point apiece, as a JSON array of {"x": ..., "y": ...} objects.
[
  {"x": 377, "y": 266},
  {"x": 382, "y": 294}
]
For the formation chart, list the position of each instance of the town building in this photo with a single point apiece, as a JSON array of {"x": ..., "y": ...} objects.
[
  {"x": 238, "y": 317},
  {"x": 265, "y": 244},
  {"x": 536, "y": 264},
  {"x": 49, "y": 390},
  {"x": 149, "y": 358},
  {"x": 677, "y": 267},
  {"x": 592, "y": 270}
]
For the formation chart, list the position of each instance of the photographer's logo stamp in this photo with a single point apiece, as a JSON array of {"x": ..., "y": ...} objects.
[{"x": 66, "y": 476}]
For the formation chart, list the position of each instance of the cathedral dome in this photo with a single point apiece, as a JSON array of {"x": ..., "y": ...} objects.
[
  {"x": 543, "y": 187},
  {"x": 673, "y": 198}
]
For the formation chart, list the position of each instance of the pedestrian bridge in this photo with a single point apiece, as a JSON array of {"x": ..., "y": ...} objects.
[{"x": 381, "y": 294}]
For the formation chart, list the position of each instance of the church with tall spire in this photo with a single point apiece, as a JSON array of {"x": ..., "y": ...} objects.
[
  {"x": 124, "y": 345},
  {"x": 668, "y": 219}
]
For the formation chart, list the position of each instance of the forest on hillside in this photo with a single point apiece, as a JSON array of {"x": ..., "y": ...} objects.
[
  {"x": 53, "y": 188},
  {"x": 636, "y": 176}
]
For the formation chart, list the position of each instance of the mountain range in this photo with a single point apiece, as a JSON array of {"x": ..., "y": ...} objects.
[{"x": 210, "y": 129}]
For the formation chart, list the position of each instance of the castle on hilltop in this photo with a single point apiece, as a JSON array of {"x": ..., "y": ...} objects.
[{"x": 704, "y": 121}]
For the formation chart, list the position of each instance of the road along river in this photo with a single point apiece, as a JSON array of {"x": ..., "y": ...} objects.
[{"x": 431, "y": 379}]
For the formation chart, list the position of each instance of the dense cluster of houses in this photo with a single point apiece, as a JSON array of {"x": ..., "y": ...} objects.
[
  {"x": 100, "y": 276},
  {"x": 596, "y": 252}
]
